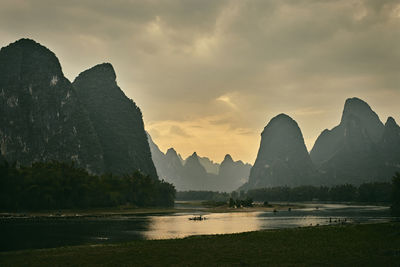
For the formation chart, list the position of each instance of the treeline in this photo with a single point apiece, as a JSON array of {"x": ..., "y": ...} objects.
[
  {"x": 55, "y": 185},
  {"x": 237, "y": 203},
  {"x": 395, "y": 208},
  {"x": 367, "y": 192},
  {"x": 202, "y": 195}
]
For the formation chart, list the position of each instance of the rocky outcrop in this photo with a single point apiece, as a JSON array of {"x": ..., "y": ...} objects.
[
  {"x": 41, "y": 117},
  {"x": 44, "y": 117},
  {"x": 351, "y": 152},
  {"x": 390, "y": 146},
  {"x": 117, "y": 121},
  {"x": 282, "y": 158}
]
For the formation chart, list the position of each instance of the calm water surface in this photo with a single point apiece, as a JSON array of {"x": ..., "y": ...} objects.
[{"x": 46, "y": 232}]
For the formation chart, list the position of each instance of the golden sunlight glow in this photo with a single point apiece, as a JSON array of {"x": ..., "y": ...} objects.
[{"x": 205, "y": 138}]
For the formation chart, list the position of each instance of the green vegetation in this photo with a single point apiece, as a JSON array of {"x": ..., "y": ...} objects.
[
  {"x": 55, "y": 185},
  {"x": 395, "y": 208},
  {"x": 237, "y": 203},
  {"x": 213, "y": 203},
  {"x": 348, "y": 245},
  {"x": 375, "y": 192},
  {"x": 202, "y": 195},
  {"x": 367, "y": 192}
]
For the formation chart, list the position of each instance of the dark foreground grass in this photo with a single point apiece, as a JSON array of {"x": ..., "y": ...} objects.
[{"x": 358, "y": 245}]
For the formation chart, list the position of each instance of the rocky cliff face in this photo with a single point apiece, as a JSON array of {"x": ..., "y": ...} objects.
[
  {"x": 351, "y": 152},
  {"x": 358, "y": 130},
  {"x": 117, "y": 121},
  {"x": 45, "y": 117},
  {"x": 390, "y": 141},
  {"x": 390, "y": 146},
  {"x": 41, "y": 116},
  {"x": 282, "y": 158}
]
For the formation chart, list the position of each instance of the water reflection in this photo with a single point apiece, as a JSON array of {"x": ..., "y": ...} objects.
[
  {"x": 178, "y": 226},
  {"x": 46, "y": 232}
]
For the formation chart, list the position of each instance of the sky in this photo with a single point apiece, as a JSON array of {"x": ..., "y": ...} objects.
[{"x": 209, "y": 75}]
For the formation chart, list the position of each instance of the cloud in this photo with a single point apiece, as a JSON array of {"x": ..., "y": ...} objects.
[
  {"x": 226, "y": 99},
  {"x": 179, "y": 131},
  {"x": 238, "y": 63}
]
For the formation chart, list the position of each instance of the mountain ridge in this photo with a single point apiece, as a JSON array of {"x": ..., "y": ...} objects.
[
  {"x": 282, "y": 158},
  {"x": 193, "y": 177},
  {"x": 44, "y": 117},
  {"x": 115, "y": 117}
]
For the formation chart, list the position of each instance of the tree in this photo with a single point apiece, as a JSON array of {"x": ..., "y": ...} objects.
[
  {"x": 57, "y": 185},
  {"x": 395, "y": 208},
  {"x": 231, "y": 203}
]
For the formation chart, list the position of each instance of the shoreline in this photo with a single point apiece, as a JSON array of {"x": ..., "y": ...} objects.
[
  {"x": 370, "y": 244},
  {"x": 183, "y": 206},
  {"x": 123, "y": 211}
]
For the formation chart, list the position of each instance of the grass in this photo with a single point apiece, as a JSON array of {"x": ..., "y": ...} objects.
[{"x": 347, "y": 245}]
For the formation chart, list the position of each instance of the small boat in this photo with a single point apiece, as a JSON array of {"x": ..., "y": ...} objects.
[{"x": 197, "y": 218}]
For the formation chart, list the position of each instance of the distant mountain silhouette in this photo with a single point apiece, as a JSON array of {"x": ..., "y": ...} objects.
[
  {"x": 390, "y": 145},
  {"x": 156, "y": 154},
  {"x": 92, "y": 123},
  {"x": 209, "y": 165},
  {"x": 360, "y": 149},
  {"x": 44, "y": 118},
  {"x": 41, "y": 116},
  {"x": 169, "y": 166},
  {"x": 194, "y": 174},
  {"x": 198, "y": 173},
  {"x": 282, "y": 158},
  {"x": 233, "y": 174},
  {"x": 117, "y": 121}
]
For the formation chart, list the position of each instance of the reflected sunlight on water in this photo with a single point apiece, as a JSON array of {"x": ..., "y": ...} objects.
[
  {"x": 45, "y": 232},
  {"x": 178, "y": 226}
]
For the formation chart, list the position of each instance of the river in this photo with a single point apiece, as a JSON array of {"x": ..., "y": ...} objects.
[{"x": 46, "y": 232}]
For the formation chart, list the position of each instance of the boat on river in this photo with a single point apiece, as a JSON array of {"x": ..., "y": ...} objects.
[{"x": 197, "y": 218}]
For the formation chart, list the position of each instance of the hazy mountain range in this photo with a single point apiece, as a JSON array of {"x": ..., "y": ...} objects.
[
  {"x": 360, "y": 149},
  {"x": 45, "y": 117},
  {"x": 199, "y": 173},
  {"x": 92, "y": 123}
]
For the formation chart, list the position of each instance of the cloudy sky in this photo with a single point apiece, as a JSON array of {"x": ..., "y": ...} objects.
[{"x": 209, "y": 75}]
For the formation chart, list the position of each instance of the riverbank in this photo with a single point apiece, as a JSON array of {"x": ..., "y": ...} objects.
[
  {"x": 193, "y": 206},
  {"x": 256, "y": 208},
  {"x": 186, "y": 206},
  {"x": 360, "y": 244}
]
